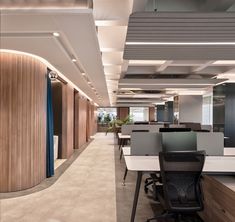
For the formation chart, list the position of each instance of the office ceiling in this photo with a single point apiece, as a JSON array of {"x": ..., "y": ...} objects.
[
  {"x": 166, "y": 67},
  {"x": 112, "y": 72},
  {"x": 32, "y": 31}
]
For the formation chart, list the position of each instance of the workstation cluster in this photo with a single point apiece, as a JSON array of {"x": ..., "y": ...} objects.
[{"x": 185, "y": 169}]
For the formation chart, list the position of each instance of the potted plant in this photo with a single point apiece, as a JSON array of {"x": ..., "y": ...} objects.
[{"x": 115, "y": 124}]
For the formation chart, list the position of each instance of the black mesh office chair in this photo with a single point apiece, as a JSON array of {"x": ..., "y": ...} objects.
[{"x": 180, "y": 192}]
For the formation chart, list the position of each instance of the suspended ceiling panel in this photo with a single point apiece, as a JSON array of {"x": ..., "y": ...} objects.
[
  {"x": 36, "y": 36},
  {"x": 162, "y": 30},
  {"x": 169, "y": 82}
]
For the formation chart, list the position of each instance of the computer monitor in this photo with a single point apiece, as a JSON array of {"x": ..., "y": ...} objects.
[{"x": 179, "y": 141}]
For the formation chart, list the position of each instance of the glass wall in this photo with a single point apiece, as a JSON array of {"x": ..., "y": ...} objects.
[
  {"x": 207, "y": 108},
  {"x": 139, "y": 113},
  {"x": 105, "y": 115}
]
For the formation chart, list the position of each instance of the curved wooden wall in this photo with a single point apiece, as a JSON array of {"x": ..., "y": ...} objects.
[{"x": 22, "y": 122}]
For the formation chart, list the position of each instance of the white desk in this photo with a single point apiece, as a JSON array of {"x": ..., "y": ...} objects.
[
  {"x": 123, "y": 139},
  {"x": 122, "y": 136},
  {"x": 126, "y": 150},
  {"x": 141, "y": 164},
  {"x": 213, "y": 164}
]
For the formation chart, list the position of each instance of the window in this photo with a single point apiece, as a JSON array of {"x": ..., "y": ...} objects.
[
  {"x": 207, "y": 110},
  {"x": 105, "y": 115},
  {"x": 139, "y": 113}
]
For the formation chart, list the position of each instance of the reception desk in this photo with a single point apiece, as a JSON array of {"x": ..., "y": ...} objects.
[{"x": 219, "y": 198}]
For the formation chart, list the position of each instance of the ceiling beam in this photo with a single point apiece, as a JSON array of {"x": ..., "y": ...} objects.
[
  {"x": 163, "y": 66},
  {"x": 169, "y": 82},
  {"x": 203, "y": 66}
]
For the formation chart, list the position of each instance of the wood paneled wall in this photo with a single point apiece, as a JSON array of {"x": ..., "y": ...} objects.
[
  {"x": 67, "y": 121},
  {"x": 152, "y": 114},
  {"x": 122, "y": 112},
  {"x": 76, "y": 120},
  {"x": 22, "y": 122},
  {"x": 93, "y": 120},
  {"x": 82, "y": 120},
  {"x": 88, "y": 129}
]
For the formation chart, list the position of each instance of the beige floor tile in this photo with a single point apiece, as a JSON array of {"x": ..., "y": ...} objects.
[{"x": 85, "y": 192}]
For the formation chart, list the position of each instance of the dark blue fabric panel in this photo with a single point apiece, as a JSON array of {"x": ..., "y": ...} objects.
[{"x": 50, "y": 131}]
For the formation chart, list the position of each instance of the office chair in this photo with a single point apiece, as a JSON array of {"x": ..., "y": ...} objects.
[
  {"x": 175, "y": 129},
  {"x": 180, "y": 192}
]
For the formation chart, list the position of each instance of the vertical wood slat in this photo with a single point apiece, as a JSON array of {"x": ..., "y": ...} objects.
[
  {"x": 22, "y": 122},
  {"x": 122, "y": 112},
  {"x": 93, "y": 129},
  {"x": 88, "y": 129},
  {"x": 82, "y": 118},
  {"x": 67, "y": 121},
  {"x": 76, "y": 120},
  {"x": 151, "y": 113}
]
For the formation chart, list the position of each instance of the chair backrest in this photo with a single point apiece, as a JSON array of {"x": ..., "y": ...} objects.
[
  {"x": 177, "y": 126},
  {"x": 193, "y": 126},
  {"x": 145, "y": 143},
  {"x": 141, "y": 123},
  {"x": 127, "y": 129},
  {"x": 140, "y": 131},
  {"x": 177, "y": 129},
  {"x": 179, "y": 141},
  {"x": 212, "y": 143},
  {"x": 181, "y": 173}
]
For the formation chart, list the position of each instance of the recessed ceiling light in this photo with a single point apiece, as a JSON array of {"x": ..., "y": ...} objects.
[
  {"x": 180, "y": 43},
  {"x": 56, "y": 34},
  {"x": 74, "y": 60},
  {"x": 224, "y": 62},
  {"x": 83, "y": 74},
  {"x": 146, "y": 62}
]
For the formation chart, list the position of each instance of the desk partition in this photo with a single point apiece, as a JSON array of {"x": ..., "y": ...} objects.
[
  {"x": 144, "y": 143},
  {"x": 127, "y": 129}
]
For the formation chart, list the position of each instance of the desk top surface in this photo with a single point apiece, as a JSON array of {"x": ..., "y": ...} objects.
[
  {"x": 122, "y": 136},
  {"x": 228, "y": 181},
  {"x": 213, "y": 164},
  {"x": 126, "y": 150}
]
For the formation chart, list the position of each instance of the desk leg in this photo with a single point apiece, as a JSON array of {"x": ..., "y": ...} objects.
[
  {"x": 124, "y": 178},
  {"x": 137, "y": 191},
  {"x": 121, "y": 155},
  {"x": 120, "y": 145}
]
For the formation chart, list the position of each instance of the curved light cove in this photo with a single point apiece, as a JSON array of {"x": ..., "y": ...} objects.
[
  {"x": 180, "y": 43},
  {"x": 50, "y": 66}
]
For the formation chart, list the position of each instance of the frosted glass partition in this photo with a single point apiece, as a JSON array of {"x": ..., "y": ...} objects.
[
  {"x": 139, "y": 113},
  {"x": 212, "y": 143}
]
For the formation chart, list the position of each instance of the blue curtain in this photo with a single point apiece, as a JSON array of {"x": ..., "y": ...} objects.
[{"x": 50, "y": 131}]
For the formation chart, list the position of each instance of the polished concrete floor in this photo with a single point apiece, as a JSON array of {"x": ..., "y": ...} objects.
[
  {"x": 89, "y": 190},
  {"x": 84, "y": 192}
]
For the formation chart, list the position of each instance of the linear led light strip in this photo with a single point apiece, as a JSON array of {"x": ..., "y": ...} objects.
[
  {"x": 180, "y": 43},
  {"x": 49, "y": 65}
]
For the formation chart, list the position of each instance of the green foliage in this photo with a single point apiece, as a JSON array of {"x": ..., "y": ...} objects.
[
  {"x": 107, "y": 118},
  {"x": 115, "y": 125}
]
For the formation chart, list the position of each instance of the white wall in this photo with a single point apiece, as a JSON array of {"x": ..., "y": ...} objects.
[{"x": 190, "y": 108}]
